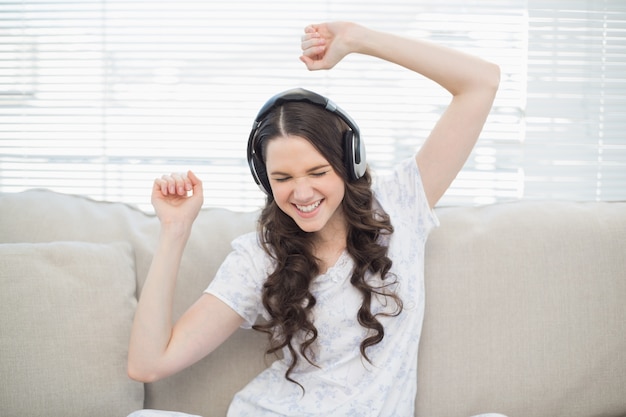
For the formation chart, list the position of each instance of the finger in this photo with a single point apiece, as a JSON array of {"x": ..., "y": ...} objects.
[
  {"x": 196, "y": 183},
  {"x": 315, "y": 52},
  {"x": 193, "y": 179},
  {"x": 161, "y": 185},
  {"x": 180, "y": 182},
  {"x": 314, "y": 44},
  {"x": 158, "y": 185},
  {"x": 309, "y": 36},
  {"x": 315, "y": 63},
  {"x": 168, "y": 184},
  {"x": 307, "y": 61}
]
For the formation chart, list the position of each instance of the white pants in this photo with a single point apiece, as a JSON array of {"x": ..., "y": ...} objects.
[{"x": 159, "y": 413}]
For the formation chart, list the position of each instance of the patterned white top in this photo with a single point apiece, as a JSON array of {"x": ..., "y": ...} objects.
[{"x": 344, "y": 383}]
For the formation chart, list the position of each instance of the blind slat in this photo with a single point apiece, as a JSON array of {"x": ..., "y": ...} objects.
[{"x": 99, "y": 97}]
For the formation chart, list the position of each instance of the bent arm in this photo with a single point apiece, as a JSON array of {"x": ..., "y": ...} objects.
[
  {"x": 472, "y": 82},
  {"x": 203, "y": 327},
  {"x": 157, "y": 347}
]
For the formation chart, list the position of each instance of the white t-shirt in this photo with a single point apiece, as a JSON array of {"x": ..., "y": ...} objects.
[{"x": 343, "y": 383}]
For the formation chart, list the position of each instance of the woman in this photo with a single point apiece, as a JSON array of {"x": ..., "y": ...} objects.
[{"x": 336, "y": 268}]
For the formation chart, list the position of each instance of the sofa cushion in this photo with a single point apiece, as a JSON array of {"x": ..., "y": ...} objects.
[
  {"x": 47, "y": 216},
  {"x": 525, "y": 311},
  {"x": 66, "y": 311}
]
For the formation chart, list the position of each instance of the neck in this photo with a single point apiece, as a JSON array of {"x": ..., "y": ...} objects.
[
  {"x": 329, "y": 244},
  {"x": 331, "y": 236}
]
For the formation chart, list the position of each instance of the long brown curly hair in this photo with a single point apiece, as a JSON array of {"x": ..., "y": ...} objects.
[{"x": 286, "y": 292}]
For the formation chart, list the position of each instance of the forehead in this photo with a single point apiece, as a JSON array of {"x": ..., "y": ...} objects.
[{"x": 292, "y": 151}]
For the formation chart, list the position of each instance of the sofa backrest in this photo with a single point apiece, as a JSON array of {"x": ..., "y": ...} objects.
[
  {"x": 525, "y": 311},
  {"x": 205, "y": 388}
]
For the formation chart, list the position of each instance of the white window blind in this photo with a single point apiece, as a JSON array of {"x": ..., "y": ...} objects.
[
  {"x": 100, "y": 97},
  {"x": 575, "y": 141}
]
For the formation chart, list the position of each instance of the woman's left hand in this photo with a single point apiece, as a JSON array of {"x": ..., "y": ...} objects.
[{"x": 324, "y": 45}]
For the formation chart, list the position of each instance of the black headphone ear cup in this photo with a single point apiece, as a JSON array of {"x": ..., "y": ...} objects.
[
  {"x": 360, "y": 164},
  {"x": 354, "y": 155},
  {"x": 260, "y": 174},
  {"x": 348, "y": 153}
]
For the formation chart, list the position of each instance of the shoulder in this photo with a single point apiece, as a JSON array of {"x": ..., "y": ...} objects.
[
  {"x": 400, "y": 193},
  {"x": 400, "y": 186},
  {"x": 247, "y": 242},
  {"x": 247, "y": 257},
  {"x": 240, "y": 278}
]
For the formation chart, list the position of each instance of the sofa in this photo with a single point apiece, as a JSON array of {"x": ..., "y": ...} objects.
[{"x": 525, "y": 311}]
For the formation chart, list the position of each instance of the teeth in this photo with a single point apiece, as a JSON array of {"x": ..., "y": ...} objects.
[{"x": 309, "y": 208}]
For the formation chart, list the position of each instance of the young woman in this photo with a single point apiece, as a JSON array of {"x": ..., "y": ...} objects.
[{"x": 336, "y": 268}]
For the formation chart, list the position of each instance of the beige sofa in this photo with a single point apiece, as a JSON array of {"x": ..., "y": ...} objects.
[{"x": 526, "y": 310}]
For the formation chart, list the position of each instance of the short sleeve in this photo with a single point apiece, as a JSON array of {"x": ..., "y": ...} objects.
[
  {"x": 239, "y": 280},
  {"x": 401, "y": 194}
]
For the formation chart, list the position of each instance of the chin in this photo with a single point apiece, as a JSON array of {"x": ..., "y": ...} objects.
[{"x": 307, "y": 227}]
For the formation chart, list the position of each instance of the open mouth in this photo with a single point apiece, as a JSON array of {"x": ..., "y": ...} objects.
[{"x": 309, "y": 208}]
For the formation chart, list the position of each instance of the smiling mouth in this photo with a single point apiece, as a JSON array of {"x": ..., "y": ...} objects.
[{"x": 309, "y": 208}]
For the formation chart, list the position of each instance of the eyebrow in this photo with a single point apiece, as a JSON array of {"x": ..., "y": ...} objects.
[{"x": 315, "y": 168}]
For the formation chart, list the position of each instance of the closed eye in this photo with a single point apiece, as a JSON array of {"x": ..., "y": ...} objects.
[{"x": 317, "y": 171}]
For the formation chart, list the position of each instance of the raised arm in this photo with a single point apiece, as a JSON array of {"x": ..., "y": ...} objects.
[
  {"x": 472, "y": 82},
  {"x": 157, "y": 347}
]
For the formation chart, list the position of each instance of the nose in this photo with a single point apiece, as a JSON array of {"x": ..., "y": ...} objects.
[{"x": 303, "y": 191}]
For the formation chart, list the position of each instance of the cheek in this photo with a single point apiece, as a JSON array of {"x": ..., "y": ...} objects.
[
  {"x": 338, "y": 189},
  {"x": 340, "y": 195},
  {"x": 280, "y": 193}
]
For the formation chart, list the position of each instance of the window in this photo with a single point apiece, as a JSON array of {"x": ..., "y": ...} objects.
[
  {"x": 100, "y": 97},
  {"x": 575, "y": 139}
]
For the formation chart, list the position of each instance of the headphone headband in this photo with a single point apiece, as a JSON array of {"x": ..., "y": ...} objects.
[{"x": 353, "y": 148}]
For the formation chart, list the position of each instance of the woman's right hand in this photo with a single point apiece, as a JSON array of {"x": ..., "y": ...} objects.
[{"x": 177, "y": 198}]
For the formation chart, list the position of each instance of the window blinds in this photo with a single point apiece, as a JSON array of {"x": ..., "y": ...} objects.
[
  {"x": 100, "y": 97},
  {"x": 575, "y": 142}
]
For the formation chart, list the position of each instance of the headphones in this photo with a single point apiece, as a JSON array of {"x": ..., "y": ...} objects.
[{"x": 354, "y": 149}]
